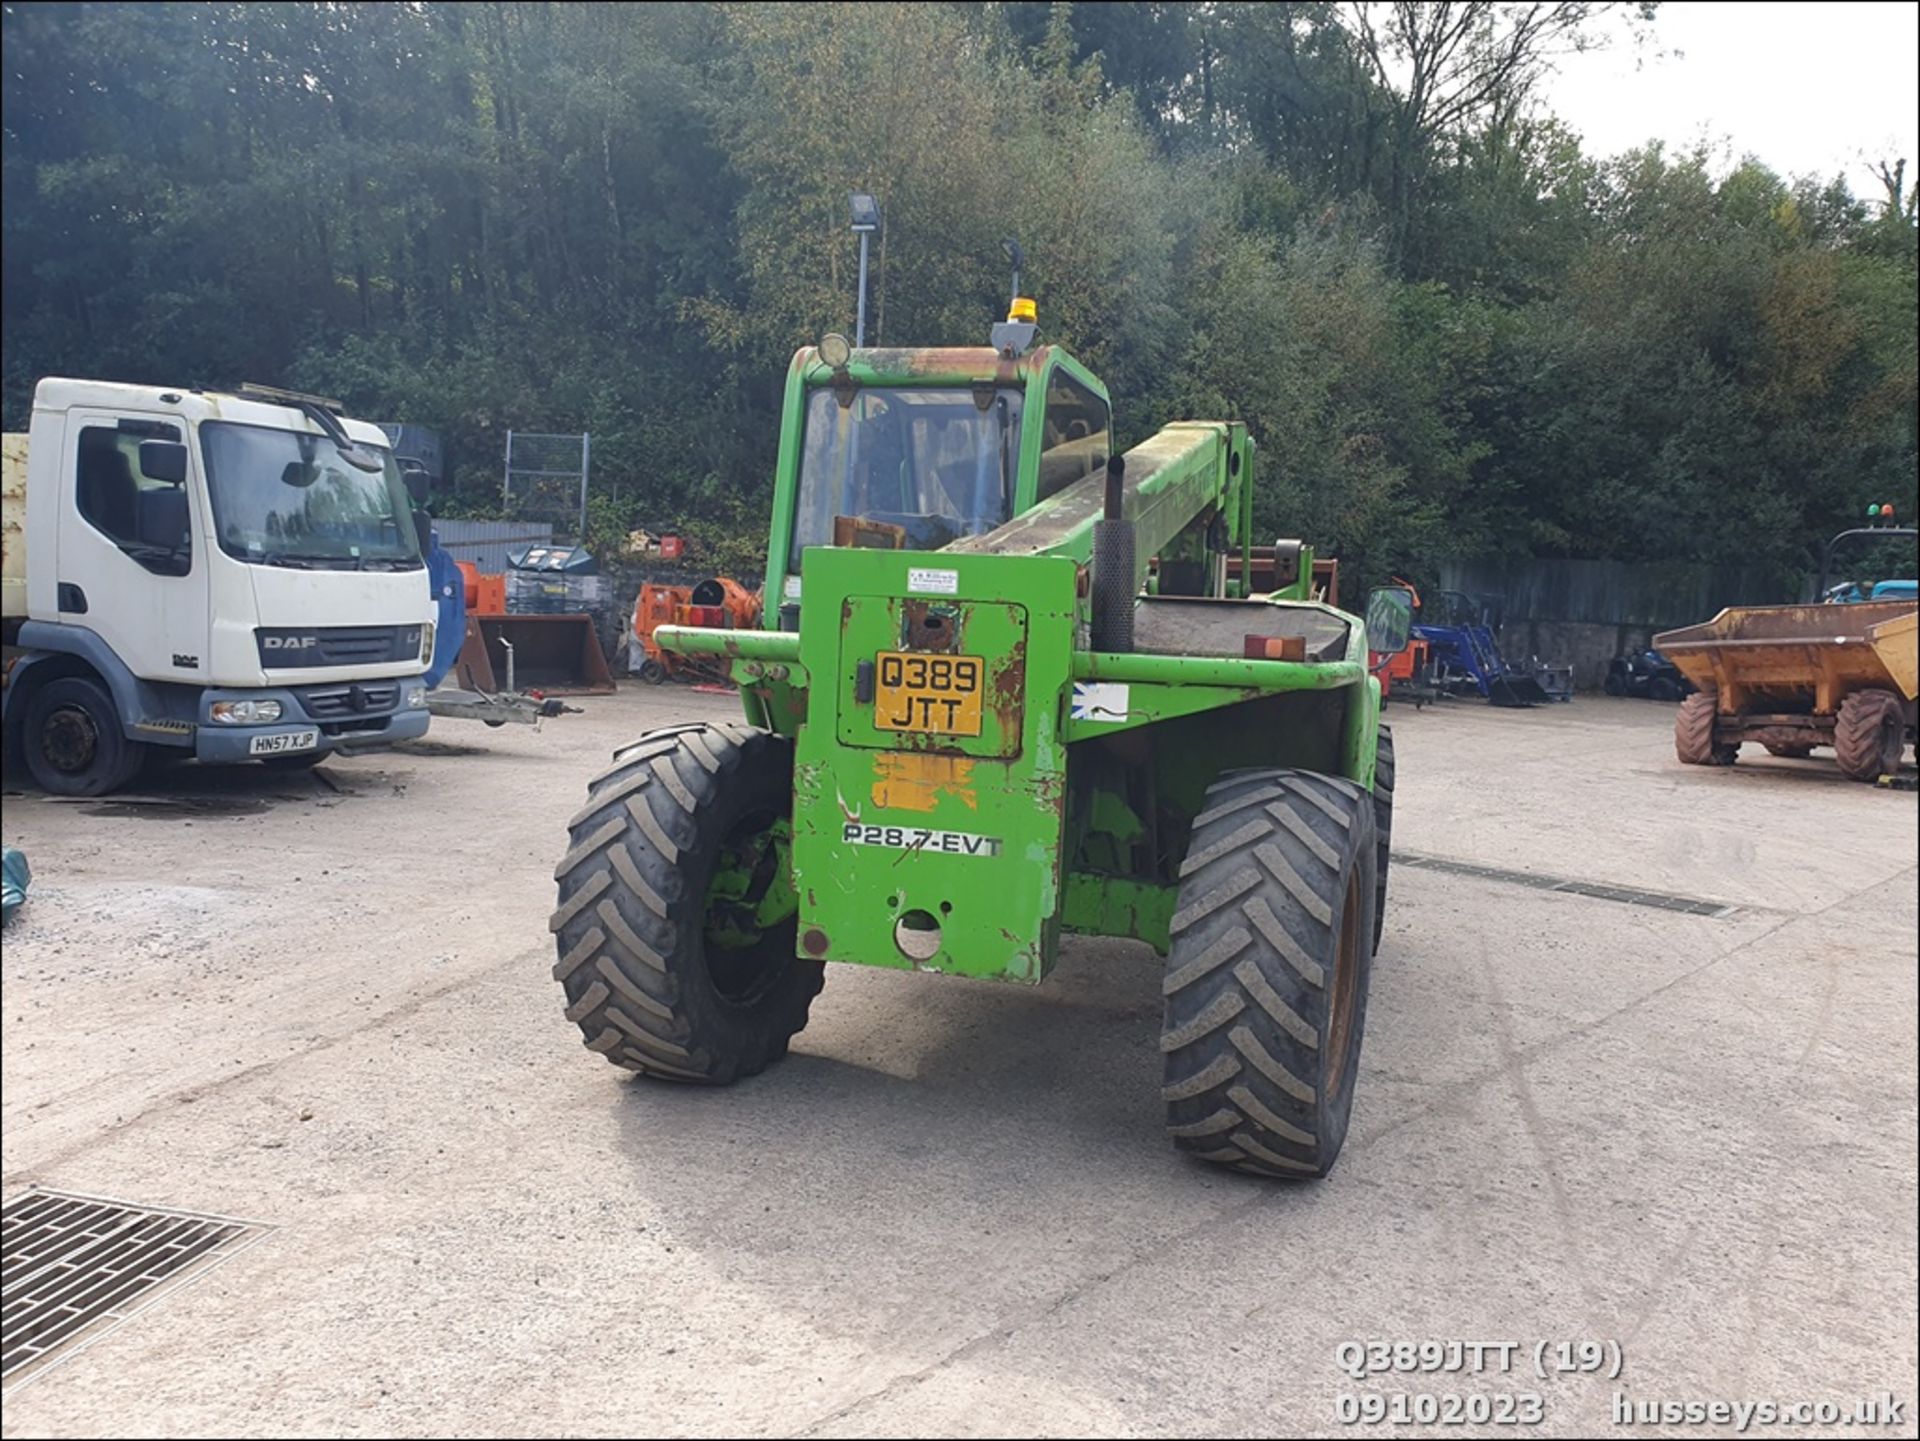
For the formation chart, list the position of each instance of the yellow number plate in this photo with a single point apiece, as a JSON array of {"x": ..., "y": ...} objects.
[{"x": 938, "y": 694}]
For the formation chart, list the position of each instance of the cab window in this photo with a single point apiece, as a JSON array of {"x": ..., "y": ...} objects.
[
  {"x": 1076, "y": 434},
  {"x": 146, "y": 518}
]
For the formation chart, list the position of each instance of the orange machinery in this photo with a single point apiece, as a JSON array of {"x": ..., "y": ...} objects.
[
  {"x": 717, "y": 603},
  {"x": 1406, "y": 664}
]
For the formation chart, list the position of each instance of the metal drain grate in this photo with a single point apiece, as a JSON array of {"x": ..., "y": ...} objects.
[
  {"x": 73, "y": 1267},
  {"x": 1625, "y": 895}
]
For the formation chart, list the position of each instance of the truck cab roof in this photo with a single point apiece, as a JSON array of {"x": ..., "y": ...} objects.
[{"x": 60, "y": 393}]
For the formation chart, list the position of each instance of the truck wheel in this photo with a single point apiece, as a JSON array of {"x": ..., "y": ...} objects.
[
  {"x": 1693, "y": 733},
  {"x": 74, "y": 743},
  {"x": 1382, "y": 826},
  {"x": 677, "y": 916},
  {"x": 1266, "y": 984},
  {"x": 1869, "y": 735},
  {"x": 1613, "y": 684},
  {"x": 651, "y": 671}
]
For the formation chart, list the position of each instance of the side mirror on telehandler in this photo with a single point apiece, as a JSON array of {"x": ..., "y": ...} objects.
[{"x": 1389, "y": 620}]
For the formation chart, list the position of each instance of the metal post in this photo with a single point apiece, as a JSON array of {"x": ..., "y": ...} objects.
[
  {"x": 506, "y": 477},
  {"x": 585, "y": 450},
  {"x": 860, "y": 320}
]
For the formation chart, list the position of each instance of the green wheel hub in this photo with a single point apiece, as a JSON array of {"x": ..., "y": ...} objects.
[{"x": 751, "y": 894}]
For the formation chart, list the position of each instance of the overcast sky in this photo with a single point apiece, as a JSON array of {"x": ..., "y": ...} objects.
[{"x": 1807, "y": 88}]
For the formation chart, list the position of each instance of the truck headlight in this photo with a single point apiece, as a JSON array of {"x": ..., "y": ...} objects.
[
  {"x": 245, "y": 712},
  {"x": 426, "y": 641},
  {"x": 417, "y": 698}
]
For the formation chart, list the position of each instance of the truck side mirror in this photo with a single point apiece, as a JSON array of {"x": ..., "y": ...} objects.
[
  {"x": 1389, "y": 620},
  {"x": 164, "y": 460},
  {"x": 419, "y": 484}
]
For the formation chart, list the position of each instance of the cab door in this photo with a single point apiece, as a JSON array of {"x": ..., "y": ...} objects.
[{"x": 132, "y": 551}]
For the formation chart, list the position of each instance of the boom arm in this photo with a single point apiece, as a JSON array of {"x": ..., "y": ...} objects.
[{"x": 1190, "y": 472}]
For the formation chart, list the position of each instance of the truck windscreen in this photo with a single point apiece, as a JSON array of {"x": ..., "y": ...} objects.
[
  {"x": 920, "y": 468},
  {"x": 285, "y": 497}
]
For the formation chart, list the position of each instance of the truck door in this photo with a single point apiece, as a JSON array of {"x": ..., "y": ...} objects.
[{"x": 132, "y": 563}]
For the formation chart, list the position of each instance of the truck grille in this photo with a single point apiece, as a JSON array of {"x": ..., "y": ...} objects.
[
  {"x": 343, "y": 702},
  {"x": 284, "y": 647}
]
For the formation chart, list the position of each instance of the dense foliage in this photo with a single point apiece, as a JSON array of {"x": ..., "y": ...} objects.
[{"x": 1453, "y": 332}]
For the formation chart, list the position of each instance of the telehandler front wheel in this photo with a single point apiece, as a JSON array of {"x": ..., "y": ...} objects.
[
  {"x": 677, "y": 912},
  {"x": 1266, "y": 985}
]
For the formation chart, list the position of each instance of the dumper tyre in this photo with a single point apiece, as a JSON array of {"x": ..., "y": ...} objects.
[
  {"x": 1382, "y": 826},
  {"x": 1693, "y": 739},
  {"x": 74, "y": 744},
  {"x": 1268, "y": 970},
  {"x": 1869, "y": 734},
  {"x": 676, "y": 920}
]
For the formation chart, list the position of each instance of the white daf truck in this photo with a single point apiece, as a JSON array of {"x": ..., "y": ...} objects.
[{"x": 229, "y": 576}]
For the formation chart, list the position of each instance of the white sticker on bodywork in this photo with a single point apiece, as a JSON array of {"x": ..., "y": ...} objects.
[
  {"x": 918, "y": 838},
  {"x": 1098, "y": 701},
  {"x": 933, "y": 582}
]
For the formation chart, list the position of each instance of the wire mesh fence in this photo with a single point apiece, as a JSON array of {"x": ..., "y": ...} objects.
[{"x": 546, "y": 480}]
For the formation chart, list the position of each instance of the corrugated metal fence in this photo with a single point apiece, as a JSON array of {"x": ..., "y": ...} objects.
[
  {"x": 1615, "y": 592},
  {"x": 488, "y": 543},
  {"x": 1584, "y": 612}
]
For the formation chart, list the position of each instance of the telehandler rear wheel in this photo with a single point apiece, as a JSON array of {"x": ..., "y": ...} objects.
[
  {"x": 1266, "y": 985},
  {"x": 677, "y": 913}
]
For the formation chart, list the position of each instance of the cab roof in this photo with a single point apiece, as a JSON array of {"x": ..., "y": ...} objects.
[{"x": 61, "y": 393}]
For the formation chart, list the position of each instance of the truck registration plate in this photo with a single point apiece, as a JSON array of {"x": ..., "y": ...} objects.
[
  {"x": 937, "y": 694},
  {"x": 283, "y": 744}
]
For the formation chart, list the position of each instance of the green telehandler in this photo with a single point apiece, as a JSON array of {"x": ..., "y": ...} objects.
[{"x": 1006, "y": 687}]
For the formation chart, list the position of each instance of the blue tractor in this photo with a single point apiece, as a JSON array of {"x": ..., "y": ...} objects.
[{"x": 1463, "y": 655}]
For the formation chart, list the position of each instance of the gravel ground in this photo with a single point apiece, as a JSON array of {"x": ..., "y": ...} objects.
[{"x": 323, "y": 1002}]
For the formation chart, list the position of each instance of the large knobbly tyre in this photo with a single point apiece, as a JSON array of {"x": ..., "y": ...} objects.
[
  {"x": 677, "y": 915},
  {"x": 1869, "y": 734},
  {"x": 1266, "y": 984},
  {"x": 1693, "y": 733},
  {"x": 1382, "y": 826}
]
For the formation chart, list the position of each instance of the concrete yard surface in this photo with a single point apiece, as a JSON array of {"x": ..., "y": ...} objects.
[{"x": 323, "y": 1002}]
